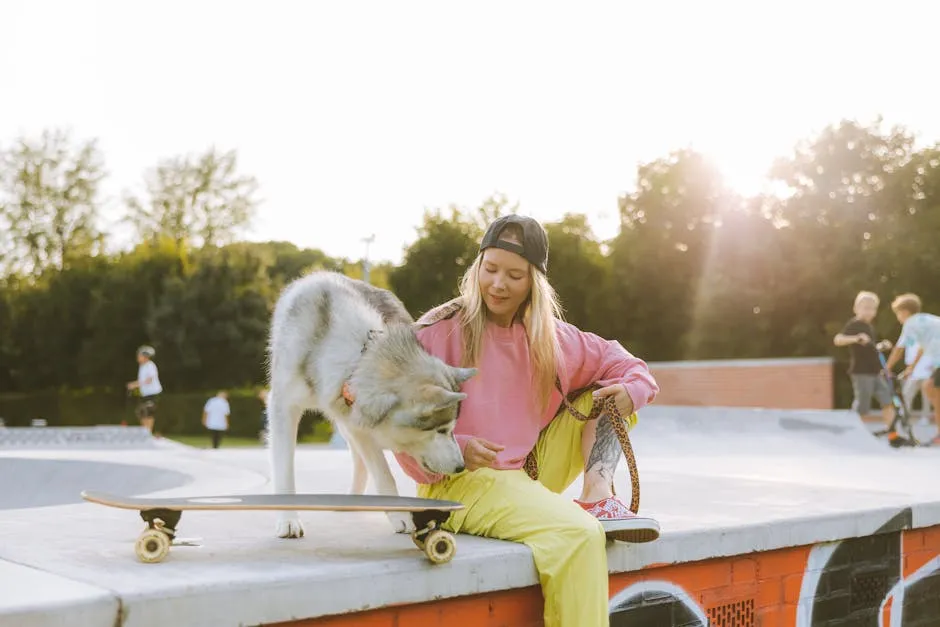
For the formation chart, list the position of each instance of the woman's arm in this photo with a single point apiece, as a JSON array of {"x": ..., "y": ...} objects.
[{"x": 590, "y": 359}]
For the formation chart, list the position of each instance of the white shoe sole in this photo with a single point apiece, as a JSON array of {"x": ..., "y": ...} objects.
[{"x": 633, "y": 530}]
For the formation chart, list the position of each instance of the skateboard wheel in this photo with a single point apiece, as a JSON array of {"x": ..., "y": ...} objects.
[
  {"x": 439, "y": 546},
  {"x": 152, "y": 546}
]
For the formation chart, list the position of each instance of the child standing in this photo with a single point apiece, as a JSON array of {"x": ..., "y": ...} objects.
[
  {"x": 865, "y": 369},
  {"x": 148, "y": 382},
  {"x": 215, "y": 416},
  {"x": 923, "y": 329}
]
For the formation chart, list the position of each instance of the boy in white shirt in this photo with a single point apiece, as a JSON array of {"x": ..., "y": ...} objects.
[
  {"x": 215, "y": 416},
  {"x": 148, "y": 382},
  {"x": 922, "y": 329}
]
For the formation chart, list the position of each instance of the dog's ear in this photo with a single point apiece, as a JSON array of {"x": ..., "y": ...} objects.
[
  {"x": 443, "y": 398},
  {"x": 462, "y": 374}
]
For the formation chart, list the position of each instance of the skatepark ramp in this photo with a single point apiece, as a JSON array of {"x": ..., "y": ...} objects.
[
  {"x": 30, "y": 482},
  {"x": 674, "y": 430}
]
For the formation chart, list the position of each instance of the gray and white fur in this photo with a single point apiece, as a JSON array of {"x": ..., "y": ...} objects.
[{"x": 327, "y": 330}]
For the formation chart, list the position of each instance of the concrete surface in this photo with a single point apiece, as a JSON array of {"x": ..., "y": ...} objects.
[
  {"x": 720, "y": 481},
  {"x": 30, "y": 483}
]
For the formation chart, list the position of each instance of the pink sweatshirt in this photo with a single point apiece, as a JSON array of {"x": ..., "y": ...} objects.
[{"x": 499, "y": 405}]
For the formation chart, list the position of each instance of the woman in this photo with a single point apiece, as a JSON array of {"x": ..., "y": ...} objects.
[{"x": 506, "y": 322}]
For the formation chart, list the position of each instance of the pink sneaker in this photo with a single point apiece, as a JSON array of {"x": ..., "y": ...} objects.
[{"x": 620, "y": 523}]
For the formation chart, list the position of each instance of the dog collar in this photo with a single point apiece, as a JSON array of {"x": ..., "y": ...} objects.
[{"x": 346, "y": 393}]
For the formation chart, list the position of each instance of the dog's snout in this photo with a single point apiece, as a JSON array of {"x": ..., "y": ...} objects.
[{"x": 459, "y": 469}]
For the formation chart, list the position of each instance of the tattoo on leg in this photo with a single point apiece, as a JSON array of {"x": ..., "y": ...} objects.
[{"x": 606, "y": 450}]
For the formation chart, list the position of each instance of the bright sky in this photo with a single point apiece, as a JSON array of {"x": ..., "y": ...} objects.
[{"x": 356, "y": 116}]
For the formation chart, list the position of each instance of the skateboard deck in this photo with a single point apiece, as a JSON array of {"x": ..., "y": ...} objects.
[{"x": 162, "y": 515}]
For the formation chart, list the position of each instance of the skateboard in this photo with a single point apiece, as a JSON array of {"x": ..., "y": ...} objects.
[{"x": 162, "y": 516}]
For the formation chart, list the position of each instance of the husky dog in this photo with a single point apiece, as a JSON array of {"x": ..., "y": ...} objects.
[{"x": 348, "y": 350}]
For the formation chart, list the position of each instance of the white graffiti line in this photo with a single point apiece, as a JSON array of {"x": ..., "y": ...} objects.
[
  {"x": 896, "y": 593},
  {"x": 658, "y": 586},
  {"x": 816, "y": 562},
  {"x": 900, "y": 589}
]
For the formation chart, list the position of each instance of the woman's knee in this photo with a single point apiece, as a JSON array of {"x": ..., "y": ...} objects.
[{"x": 581, "y": 526}]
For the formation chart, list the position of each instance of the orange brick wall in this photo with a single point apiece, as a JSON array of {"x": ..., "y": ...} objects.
[
  {"x": 773, "y": 383},
  {"x": 838, "y": 584}
]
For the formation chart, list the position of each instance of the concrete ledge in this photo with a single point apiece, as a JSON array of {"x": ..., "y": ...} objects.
[
  {"x": 32, "y": 598},
  {"x": 722, "y": 482},
  {"x": 242, "y": 576}
]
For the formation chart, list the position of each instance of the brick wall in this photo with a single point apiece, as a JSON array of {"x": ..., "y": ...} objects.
[
  {"x": 893, "y": 574},
  {"x": 773, "y": 383}
]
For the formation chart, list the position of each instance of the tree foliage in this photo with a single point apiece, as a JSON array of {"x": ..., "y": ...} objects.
[
  {"x": 202, "y": 200},
  {"x": 49, "y": 202},
  {"x": 696, "y": 271}
]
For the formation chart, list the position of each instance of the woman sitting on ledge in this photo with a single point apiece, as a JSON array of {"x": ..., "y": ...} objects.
[{"x": 506, "y": 322}]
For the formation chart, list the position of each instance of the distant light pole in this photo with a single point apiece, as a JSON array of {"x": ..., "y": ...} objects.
[
  {"x": 336, "y": 439},
  {"x": 365, "y": 260}
]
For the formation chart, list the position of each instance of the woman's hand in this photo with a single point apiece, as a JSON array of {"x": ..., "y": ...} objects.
[
  {"x": 480, "y": 453},
  {"x": 621, "y": 398}
]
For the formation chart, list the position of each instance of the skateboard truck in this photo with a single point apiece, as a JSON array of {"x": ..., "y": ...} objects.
[
  {"x": 165, "y": 520},
  {"x": 438, "y": 545}
]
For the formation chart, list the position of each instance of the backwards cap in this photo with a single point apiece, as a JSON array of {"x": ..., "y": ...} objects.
[{"x": 534, "y": 248}]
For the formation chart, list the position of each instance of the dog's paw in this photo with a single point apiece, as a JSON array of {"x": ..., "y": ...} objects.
[
  {"x": 289, "y": 527},
  {"x": 402, "y": 522}
]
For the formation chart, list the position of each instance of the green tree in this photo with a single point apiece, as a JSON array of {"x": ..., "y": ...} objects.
[
  {"x": 49, "y": 202},
  {"x": 435, "y": 262},
  {"x": 50, "y": 322},
  {"x": 578, "y": 271},
  {"x": 286, "y": 261},
  {"x": 120, "y": 308},
  {"x": 210, "y": 325},
  {"x": 446, "y": 246},
  {"x": 738, "y": 288},
  {"x": 8, "y": 347},
  {"x": 197, "y": 201},
  {"x": 842, "y": 205},
  {"x": 666, "y": 239}
]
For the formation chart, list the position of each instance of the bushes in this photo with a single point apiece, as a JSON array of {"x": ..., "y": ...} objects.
[{"x": 177, "y": 413}]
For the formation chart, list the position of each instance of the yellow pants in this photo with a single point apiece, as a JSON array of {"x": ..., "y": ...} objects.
[{"x": 567, "y": 543}]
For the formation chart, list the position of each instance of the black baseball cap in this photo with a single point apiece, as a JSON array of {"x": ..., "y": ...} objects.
[{"x": 534, "y": 247}]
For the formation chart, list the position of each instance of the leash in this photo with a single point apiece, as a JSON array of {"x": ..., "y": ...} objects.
[{"x": 598, "y": 408}]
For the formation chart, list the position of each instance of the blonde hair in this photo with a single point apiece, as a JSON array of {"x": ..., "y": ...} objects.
[
  {"x": 907, "y": 302},
  {"x": 865, "y": 295},
  {"x": 538, "y": 314}
]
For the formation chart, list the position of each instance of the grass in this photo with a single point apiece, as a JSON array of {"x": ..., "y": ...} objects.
[{"x": 321, "y": 435}]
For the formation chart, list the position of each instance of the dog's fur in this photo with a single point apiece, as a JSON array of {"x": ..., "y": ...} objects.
[{"x": 327, "y": 330}]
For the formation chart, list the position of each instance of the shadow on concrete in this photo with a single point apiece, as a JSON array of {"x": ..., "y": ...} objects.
[{"x": 27, "y": 483}]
